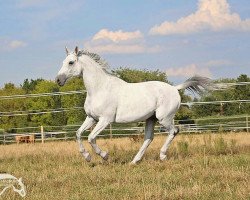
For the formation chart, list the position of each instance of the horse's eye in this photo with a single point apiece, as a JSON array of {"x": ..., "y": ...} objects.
[{"x": 71, "y": 62}]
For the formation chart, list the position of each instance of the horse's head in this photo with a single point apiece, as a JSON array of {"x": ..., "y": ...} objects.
[
  {"x": 70, "y": 67},
  {"x": 22, "y": 190}
]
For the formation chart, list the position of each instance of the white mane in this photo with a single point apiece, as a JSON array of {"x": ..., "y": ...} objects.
[{"x": 97, "y": 58}]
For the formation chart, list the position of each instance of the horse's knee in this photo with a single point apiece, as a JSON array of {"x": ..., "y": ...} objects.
[
  {"x": 78, "y": 135},
  {"x": 91, "y": 139},
  {"x": 176, "y": 131}
]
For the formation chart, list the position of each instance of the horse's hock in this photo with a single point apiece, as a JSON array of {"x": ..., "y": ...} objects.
[{"x": 25, "y": 138}]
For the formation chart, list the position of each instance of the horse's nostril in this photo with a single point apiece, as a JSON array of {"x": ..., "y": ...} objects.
[{"x": 58, "y": 81}]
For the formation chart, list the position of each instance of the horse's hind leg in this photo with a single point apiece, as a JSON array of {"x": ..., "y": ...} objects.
[
  {"x": 149, "y": 136},
  {"x": 168, "y": 123}
]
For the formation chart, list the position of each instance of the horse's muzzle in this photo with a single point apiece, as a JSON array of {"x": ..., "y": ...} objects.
[{"x": 61, "y": 79}]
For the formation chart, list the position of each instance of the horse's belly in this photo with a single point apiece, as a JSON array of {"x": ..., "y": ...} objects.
[
  {"x": 135, "y": 109},
  {"x": 133, "y": 118}
]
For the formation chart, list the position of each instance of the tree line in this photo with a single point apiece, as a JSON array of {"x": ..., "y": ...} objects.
[{"x": 77, "y": 116}]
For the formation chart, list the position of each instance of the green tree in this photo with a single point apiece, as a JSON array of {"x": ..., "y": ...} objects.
[
  {"x": 29, "y": 85},
  {"x": 9, "y": 106},
  {"x": 135, "y": 75},
  {"x": 74, "y": 100},
  {"x": 45, "y": 103},
  {"x": 242, "y": 92}
]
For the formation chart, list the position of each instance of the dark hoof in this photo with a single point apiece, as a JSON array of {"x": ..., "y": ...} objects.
[
  {"x": 87, "y": 156},
  {"x": 163, "y": 157},
  {"x": 105, "y": 155}
]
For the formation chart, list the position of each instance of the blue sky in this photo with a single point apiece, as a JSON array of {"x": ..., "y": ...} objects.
[{"x": 182, "y": 38}]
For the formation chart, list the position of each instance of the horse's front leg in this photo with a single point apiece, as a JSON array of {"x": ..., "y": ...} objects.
[
  {"x": 86, "y": 125},
  {"x": 101, "y": 125}
]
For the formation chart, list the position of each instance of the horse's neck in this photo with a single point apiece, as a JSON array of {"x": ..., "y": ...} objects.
[{"x": 94, "y": 78}]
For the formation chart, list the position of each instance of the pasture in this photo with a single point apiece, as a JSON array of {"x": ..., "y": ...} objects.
[{"x": 202, "y": 166}]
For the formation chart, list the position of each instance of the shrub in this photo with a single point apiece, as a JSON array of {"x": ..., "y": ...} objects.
[{"x": 220, "y": 146}]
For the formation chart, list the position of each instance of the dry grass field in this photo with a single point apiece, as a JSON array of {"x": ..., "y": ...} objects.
[{"x": 209, "y": 166}]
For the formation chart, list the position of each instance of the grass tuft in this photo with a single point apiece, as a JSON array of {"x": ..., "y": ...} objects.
[
  {"x": 183, "y": 148},
  {"x": 220, "y": 146}
]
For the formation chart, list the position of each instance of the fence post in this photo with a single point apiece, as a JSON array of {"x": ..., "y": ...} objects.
[
  {"x": 42, "y": 134},
  {"x": 247, "y": 125},
  {"x": 110, "y": 131},
  {"x": 4, "y": 142}
]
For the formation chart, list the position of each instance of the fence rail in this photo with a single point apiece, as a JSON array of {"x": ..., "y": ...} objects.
[{"x": 43, "y": 134}]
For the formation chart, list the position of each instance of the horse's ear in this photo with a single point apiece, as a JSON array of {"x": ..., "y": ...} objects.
[
  {"x": 76, "y": 50},
  {"x": 67, "y": 51}
]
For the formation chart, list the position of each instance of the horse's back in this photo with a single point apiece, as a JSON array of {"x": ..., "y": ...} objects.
[{"x": 154, "y": 89}]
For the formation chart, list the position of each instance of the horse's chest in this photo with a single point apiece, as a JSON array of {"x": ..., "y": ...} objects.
[{"x": 96, "y": 107}]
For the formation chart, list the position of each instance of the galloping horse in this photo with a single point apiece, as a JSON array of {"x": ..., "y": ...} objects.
[{"x": 110, "y": 99}]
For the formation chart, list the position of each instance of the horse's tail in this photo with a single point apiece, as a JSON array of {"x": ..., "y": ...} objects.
[{"x": 198, "y": 84}]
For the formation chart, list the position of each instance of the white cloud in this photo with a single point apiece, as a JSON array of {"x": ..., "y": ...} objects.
[
  {"x": 116, "y": 49},
  {"x": 8, "y": 45},
  {"x": 188, "y": 71},
  {"x": 14, "y": 44},
  {"x": 121, "y": 48},
  {"x": 218, "y": 63},
  {"x": 213, "y": 15},
  {"x": 119, "y": 42},
  {"x": 117, "y": 36}
]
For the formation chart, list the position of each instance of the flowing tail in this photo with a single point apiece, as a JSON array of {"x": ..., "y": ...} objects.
[{"x": 198, "y": 84}]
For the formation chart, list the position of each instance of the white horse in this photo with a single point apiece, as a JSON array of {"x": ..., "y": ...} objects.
[
  {"x": 110, "y": 99},
  {"x": 8, "y": 181}
]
